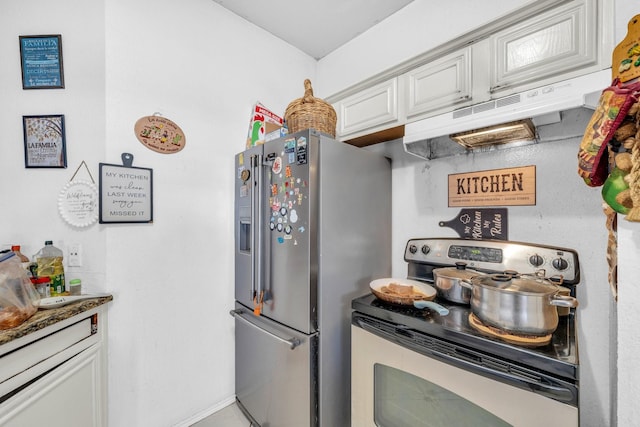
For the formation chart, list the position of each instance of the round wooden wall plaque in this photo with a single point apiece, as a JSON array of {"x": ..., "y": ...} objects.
[{"x": 159, "y": 134}]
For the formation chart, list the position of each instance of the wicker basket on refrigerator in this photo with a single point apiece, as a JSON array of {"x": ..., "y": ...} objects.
[{"x": 310, "y": 112}]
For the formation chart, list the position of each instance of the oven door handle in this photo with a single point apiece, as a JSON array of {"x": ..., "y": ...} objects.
[
  {"x": 562, "y": 394},
  {"x": 403, "y": 335}
]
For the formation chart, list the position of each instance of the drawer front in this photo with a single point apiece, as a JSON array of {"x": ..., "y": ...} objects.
[{"x": 18, "y": 362}]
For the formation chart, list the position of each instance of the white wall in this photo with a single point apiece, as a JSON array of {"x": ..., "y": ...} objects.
[
  {"x": 628, "y": 315},
  {"x": 29, "y": 213},
  {"x": 628, "y": 320},
  {"x": 171, "y": 335},
  {"x": 171, "y": 355}
]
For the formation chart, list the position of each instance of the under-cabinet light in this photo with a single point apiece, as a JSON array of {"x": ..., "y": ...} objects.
[{"x": 521, "y": 130}]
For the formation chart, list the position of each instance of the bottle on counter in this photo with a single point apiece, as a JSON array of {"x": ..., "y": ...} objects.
[
  {"x": 42, "y": 285},
  {"x": 75, "y": 286},
  {"x": 24, "y": 260},
  {"x": 49, "y": 260},
  {"x": 16, "y": 249}
]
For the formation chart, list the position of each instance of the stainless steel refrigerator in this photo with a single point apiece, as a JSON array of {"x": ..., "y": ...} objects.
[{"x": 312, "y": 229}]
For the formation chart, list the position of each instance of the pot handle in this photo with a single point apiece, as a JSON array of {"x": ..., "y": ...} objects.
[
  {"x": 563, "y": 301},
  {"x": 465, "y": 284}
]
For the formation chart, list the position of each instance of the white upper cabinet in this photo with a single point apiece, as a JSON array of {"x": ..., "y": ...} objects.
[
  {"x": 543, "y": 43},
  {"x": 368, "y": 109},
  {"x": 552, "y": 43},
  {"x": 443, "y": 82}
]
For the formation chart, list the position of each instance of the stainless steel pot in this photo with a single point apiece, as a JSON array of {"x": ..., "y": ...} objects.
[
  {"x": 447, "y": 282},
  {"x": 517, "y": 304}
]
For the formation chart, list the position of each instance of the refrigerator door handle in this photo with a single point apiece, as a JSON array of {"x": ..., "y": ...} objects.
[
  {"x": 291, "y": 342},
  {"x": 256, "y": 232}
]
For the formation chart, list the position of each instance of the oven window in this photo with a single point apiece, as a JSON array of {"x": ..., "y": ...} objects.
[{"x": 404, "y": 400}]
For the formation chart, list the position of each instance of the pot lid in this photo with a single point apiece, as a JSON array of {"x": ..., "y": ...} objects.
[
  {"x": 515, "y": 283},
  {"x": 460, "y": 271}
]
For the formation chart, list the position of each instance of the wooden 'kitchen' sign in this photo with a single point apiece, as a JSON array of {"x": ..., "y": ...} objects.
[{"x": 497, "y": 187}]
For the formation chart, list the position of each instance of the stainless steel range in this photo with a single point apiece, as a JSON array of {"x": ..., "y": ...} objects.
[{"x": 415, "y": 367}]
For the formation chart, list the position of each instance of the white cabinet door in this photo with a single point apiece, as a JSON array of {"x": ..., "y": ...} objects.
[
  {"x": 444, "y": 82},
  {"x": 368, "y": 109},
  {"x": 555, "y": 42},
  {"x": 70, "y": 395}
]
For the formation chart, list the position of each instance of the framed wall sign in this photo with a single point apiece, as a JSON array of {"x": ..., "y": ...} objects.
[
  {"x": 41, "y": 62},
  {"x": 496, "y": 187},
  {"x": 44, "y": 141},
  {"x": 126, "y": 193}
]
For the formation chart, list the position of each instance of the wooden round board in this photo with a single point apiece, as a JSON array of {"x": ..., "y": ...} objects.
[
  {"x": 419, "y": 291},
  {"x": 159, "y": 134},
  {"x": 522, "y": 340}
]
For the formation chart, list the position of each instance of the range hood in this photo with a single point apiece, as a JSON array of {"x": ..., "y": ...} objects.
[{"x": 544, "y": 105}]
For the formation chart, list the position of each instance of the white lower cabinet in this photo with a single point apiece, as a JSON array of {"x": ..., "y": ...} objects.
[{"x": 62, "y": 380}]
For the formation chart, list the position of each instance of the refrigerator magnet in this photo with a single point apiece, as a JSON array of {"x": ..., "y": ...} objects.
[{"x": 277, "y": 165}]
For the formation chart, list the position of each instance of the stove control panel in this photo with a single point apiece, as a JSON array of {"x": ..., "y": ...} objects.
[{"x": 496, "y": 256}]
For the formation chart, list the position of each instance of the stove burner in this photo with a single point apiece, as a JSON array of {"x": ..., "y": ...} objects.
[{"x": 516, "y": 339}]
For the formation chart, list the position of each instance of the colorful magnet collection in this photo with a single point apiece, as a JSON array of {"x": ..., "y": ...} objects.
[{"x": 287, "y": 191}]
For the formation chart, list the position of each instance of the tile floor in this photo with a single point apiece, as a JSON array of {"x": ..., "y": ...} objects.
[{"x": 230, "y": 416}]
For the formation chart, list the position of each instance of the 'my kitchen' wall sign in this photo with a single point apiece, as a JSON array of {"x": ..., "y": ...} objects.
[{"x": 496, "y": 187}]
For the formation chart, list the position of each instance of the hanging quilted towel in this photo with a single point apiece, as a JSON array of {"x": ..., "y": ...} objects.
[{"x": 615, "y": 101}]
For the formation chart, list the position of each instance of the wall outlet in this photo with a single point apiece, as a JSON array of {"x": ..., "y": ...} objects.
[{"x": 75, "y": 255}]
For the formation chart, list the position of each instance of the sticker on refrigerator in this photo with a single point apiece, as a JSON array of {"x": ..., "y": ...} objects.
[
  {"x": 290, "y": 145},
  {"x": 301, "y": 150}
]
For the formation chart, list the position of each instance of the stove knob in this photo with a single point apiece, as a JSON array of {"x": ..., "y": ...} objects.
[
  {"x": 560, "y": 264},
  {"x": 413, "y": 249},
  {"x": 425, "y": 249},
  {"x": 536, "y": 260}
]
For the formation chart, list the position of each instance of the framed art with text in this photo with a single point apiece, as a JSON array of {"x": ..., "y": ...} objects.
[
  {"x": 126, "y": 194},
  {"x": 44, "y": 141},
  {"x": 41, "y": 62}
]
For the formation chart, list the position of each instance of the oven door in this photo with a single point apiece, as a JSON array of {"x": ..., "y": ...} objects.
[{"x": 393, "y": 386}]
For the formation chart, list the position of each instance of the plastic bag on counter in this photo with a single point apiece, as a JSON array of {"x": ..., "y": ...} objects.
[{"x": 19, "y": 299}]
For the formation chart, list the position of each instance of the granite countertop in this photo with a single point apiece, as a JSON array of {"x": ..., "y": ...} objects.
[{"x": 43, "y": 318}]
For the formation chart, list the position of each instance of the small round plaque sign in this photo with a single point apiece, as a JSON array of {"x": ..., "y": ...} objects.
[
  {"x": 78, "y": 203},
  {"x": 160, "y": 134}
]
